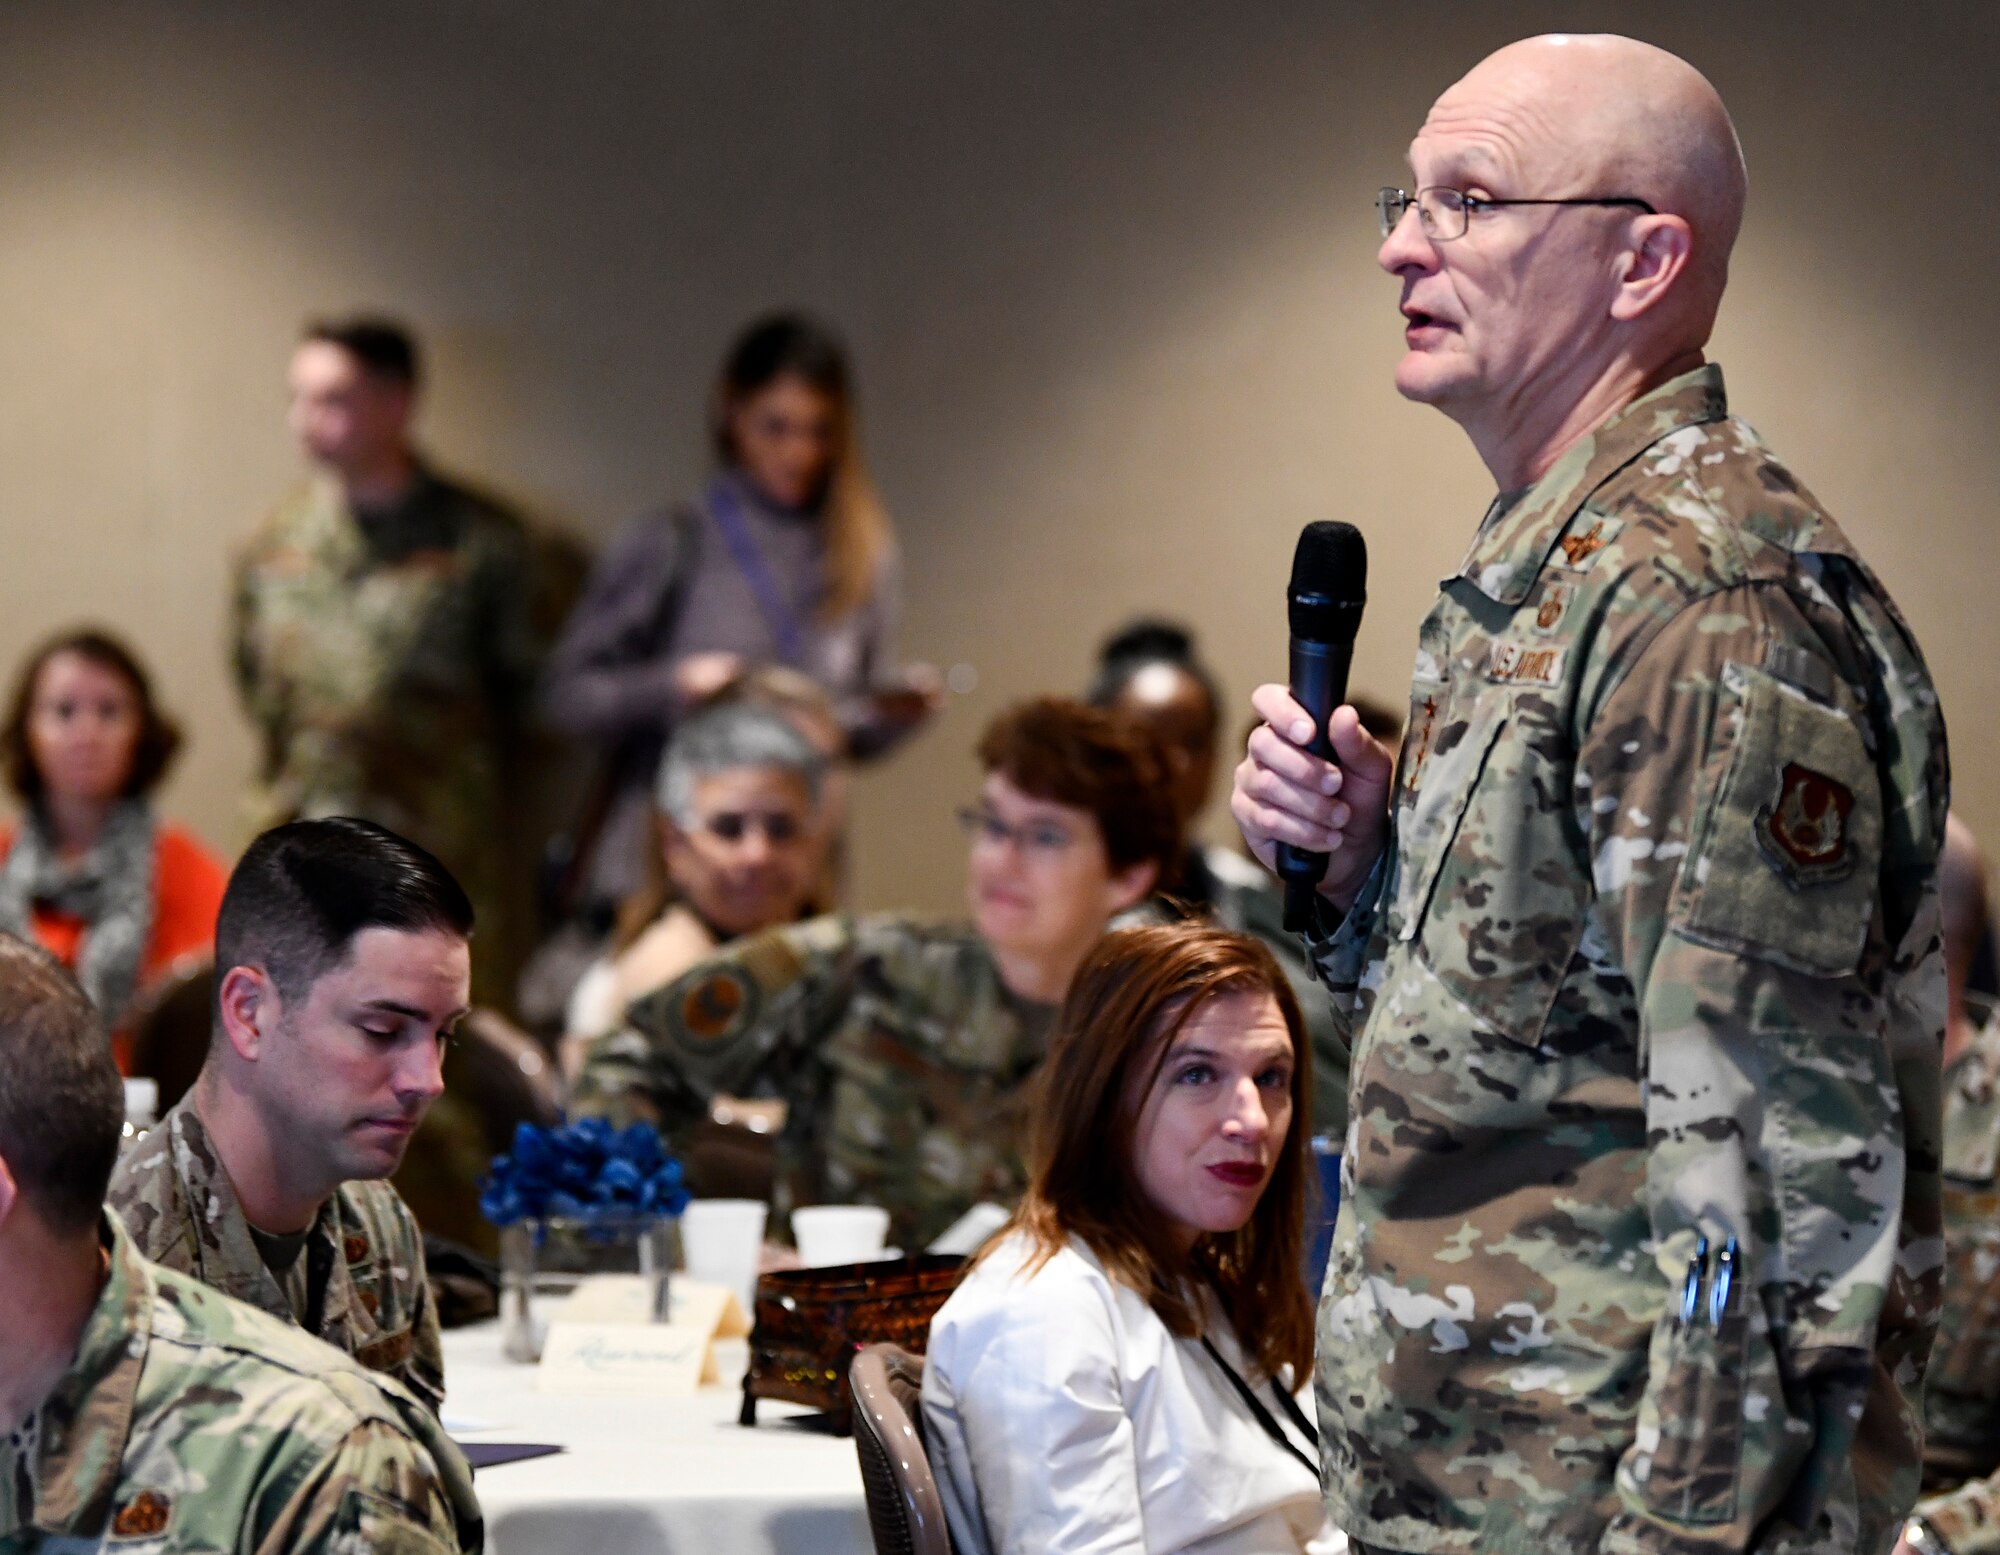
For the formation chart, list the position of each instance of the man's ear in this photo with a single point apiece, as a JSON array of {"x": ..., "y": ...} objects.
[
  {"x": 1654, "y": 263},
  {"x": 1130, "y": 886},
  {"x": 249, "y": 1005}
]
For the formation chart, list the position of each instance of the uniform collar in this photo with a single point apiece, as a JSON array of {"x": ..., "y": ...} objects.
[
  {"x": 230, "y": 1262},
  {"x": 83, "y": 1426},
  {"x": 1513, "y": 544}
]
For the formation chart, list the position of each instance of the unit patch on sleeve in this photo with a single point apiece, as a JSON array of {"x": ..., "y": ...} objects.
[
  {"x": 1803, "y": 831},
  {"x": 717, "y": 1005},
  {"x": 145, "y": 1515}
]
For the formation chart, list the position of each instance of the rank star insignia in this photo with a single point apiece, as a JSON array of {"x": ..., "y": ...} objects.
[
  {"x": 145, "y": 1515},
  {"x": 1803, "y": 831}
]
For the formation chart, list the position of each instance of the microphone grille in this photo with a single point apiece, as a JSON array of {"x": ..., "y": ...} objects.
[{"x": 1331, "y": 560}]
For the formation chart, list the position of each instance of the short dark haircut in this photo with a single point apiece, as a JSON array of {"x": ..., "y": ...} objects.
[
  {"x": 62, "y": 1106},
  {"x": 383, "y": 347},
  {"x": 1056, "y": 749},
  {"x": 302, "y": 891},
  {"x": 159, "y": 736}
]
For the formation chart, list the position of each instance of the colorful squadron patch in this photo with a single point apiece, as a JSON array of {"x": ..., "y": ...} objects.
[
  {"x": 144, "y": 1516},
  {"x": 717, "y": 1005},
  {"x": 1803, "y": 832}
]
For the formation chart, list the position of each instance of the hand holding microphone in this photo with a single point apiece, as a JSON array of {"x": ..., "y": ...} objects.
[{"x": 1318, "y": 823}]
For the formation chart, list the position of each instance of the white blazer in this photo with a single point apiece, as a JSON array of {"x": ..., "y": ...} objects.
[{"x": 1062, "y": 1416}]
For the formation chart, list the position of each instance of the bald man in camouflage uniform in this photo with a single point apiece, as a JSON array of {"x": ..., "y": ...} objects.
[{"x": 1639, "y": 1245}]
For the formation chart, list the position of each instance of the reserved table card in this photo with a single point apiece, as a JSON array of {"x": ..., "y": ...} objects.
[
  {"x": 603, "y": 1338},
  {"x": 653, "y": 1359}
]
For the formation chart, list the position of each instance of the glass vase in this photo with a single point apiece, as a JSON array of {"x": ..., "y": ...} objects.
[{"x": 548, "y": 1258}]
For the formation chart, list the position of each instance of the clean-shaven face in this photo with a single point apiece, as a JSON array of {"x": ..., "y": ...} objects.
[
  {"x": 1493, "y": 315},
  {"x": 351, "y": 1072}
]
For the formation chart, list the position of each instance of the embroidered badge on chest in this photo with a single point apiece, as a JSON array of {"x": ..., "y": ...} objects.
[
  {"x": 1803, "y": 831},
  {"x": 145, "y": 1515},
  {"x": 715, "y": 1006},
  {"x": 1579, "y": 549},
  {"x": 355, "y": 1247},
  {"x": 1557, "y": 597}
]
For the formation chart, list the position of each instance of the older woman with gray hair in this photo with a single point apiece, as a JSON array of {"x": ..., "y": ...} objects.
[{"x": 743, "y": 836}]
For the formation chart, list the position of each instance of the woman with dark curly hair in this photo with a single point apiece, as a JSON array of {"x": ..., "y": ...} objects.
[{"x": 89, "y": 873}]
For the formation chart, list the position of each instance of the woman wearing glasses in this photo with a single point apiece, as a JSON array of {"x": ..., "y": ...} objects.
[
  {"x": 1119, "y": 1368},
  {"x": 903, "y": 1047}
]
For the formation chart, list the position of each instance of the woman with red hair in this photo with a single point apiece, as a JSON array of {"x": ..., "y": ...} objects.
[{"x": 1118, "y": 1370}]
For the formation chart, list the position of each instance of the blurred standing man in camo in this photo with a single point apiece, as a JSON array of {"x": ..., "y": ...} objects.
[
  {"x": 141, "y": 1409},
  {"x": 385, "y": 642},
  {"x": 1639, "y": 1245}
]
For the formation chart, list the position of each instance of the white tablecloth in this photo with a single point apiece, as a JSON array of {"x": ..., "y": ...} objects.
[{"x": 648, "y": 1476}]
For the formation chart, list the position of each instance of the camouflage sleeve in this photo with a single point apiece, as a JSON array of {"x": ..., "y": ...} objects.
[
  {"x": 1968, "y": 1518},
  {"x": 243, "y": 657},
  {"x": 424, "y": 1376},
  {"x": 1338, "y": 950},
  {"x": 378, "y": 1490},
  {"x": 1734, "y": 821},
  {"x": 748, "y": 1022}
]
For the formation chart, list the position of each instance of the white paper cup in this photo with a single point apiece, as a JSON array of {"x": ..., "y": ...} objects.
[
  {"x": 721, "y": 1243},
  {"x": 839, "y": 1233}
]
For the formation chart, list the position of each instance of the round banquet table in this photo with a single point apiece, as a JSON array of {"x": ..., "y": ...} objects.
[{"x": 650, "y": 1476}]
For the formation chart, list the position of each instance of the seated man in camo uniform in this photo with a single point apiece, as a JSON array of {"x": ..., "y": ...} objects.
[
  {"x": 902, "y": 1047},
  {"x": 342, "y": 966}
]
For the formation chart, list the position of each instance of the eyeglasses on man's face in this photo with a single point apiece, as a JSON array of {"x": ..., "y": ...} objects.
[
  {"x": 1444, "y": 212},
  {"x": 1035, "y": 839}
]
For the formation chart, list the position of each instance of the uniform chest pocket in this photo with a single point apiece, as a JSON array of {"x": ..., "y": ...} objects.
[
  {"x": 1783, "y": 860},
  {"x": 1496, "y": 902}
]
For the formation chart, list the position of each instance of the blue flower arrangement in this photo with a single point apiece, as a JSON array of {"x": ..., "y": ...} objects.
[{"x": 585, "y": 1170}]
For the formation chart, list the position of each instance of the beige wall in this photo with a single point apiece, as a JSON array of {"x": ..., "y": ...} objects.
[{"x": 1107, "y": 267}]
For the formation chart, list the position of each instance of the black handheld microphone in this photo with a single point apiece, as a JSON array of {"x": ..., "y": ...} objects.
[{"x": 1329, "y": 587}]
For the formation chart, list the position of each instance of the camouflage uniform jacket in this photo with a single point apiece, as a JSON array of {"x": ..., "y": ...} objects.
[
  {"x": 387, "y": 665},
  {"x": 1962, "y": 1388},
  {"x": 901, "y": 1056},
  {"x": 177, "y": 1201},
  {"x": 187, "y": 1421},
  {"x": 1652, "y": 955}
]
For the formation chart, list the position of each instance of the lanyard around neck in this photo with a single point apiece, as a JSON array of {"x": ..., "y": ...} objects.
[
  {"x": 1263, "y": 1416},
  {"x": 771, "y": 602}
]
